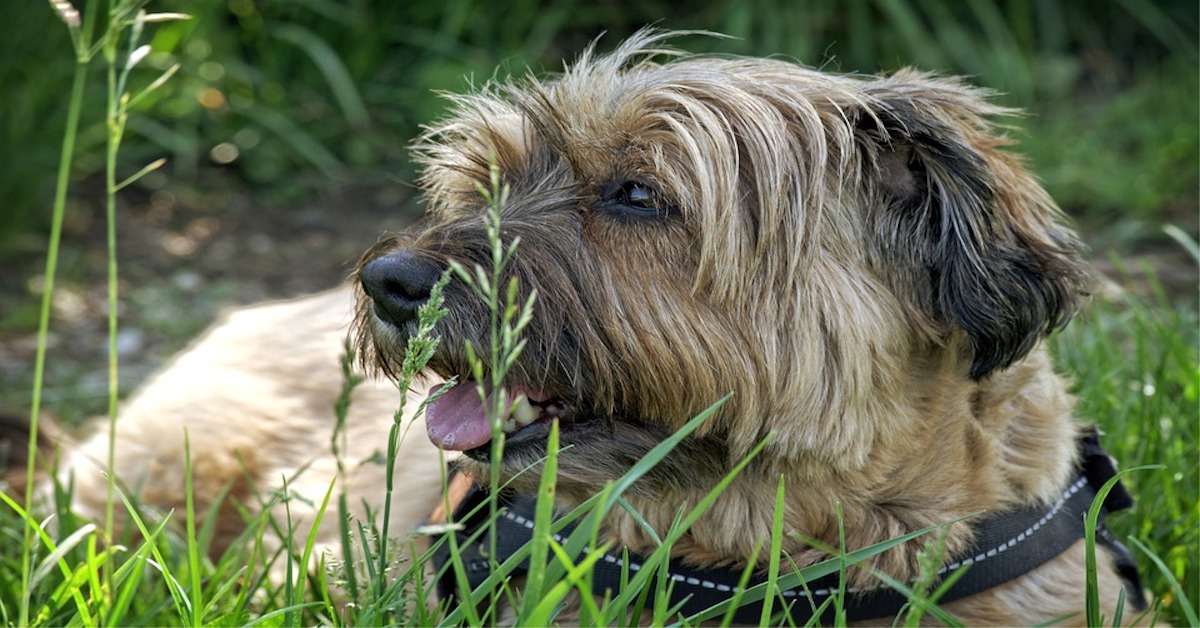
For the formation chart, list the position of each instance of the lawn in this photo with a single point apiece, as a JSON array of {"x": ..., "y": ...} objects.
[{"x": 356, "y": 93}]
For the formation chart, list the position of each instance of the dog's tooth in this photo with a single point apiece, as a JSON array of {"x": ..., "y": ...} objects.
[
  {"x": 510, "y": 426},
  {"x": 524, "y": 412}
]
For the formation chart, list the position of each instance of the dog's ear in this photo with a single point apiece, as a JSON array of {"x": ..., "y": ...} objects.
[{"x": 979, "y": 241}]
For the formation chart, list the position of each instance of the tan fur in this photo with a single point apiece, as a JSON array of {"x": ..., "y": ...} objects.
[
  {"x": 857, "y": 259},
  {"x": 255, "y": 397}
]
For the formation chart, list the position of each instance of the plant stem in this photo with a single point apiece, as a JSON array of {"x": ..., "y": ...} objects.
[
  {"x": 75, "y": 105},
  {"x": 115, "y": 124}
]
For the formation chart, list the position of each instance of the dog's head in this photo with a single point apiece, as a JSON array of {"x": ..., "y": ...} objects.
[{"x": 813, "y": 244}]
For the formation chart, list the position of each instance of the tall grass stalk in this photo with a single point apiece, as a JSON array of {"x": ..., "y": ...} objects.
[
  {"x": 420, "y": 349},
  {"x": 338, "y": 444},
  {"x": 774, "y": 556},
  {"x": 508, "y": 319},
  {"x": 115, "y": 124},
  {"x": 122, "y": 16},
  {"x": 81, "y": 38}
]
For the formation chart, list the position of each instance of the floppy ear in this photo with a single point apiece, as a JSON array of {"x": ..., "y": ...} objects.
[{"x": 979, "y": 241}]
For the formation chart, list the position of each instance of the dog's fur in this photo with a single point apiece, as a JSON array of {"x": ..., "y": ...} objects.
[
  {"x": 253, "y": 401},
  {"x": 857, "y": 259}
]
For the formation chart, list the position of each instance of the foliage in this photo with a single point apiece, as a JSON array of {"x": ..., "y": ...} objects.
[
  {"x": 1135, "y": 157},
  {"x": 269, "y": 90},
  {"x": 1146, "y": 407},
  {"x": 311, "y": 86}
]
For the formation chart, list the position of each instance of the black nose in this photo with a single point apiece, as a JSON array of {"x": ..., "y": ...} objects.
[{"x": 399, "y": 283}]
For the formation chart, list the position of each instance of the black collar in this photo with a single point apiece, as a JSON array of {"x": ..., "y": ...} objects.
[{"x": 1007, "y": 545}]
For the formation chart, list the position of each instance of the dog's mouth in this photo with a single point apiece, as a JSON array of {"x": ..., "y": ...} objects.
[{"x": 458, "y": 419}]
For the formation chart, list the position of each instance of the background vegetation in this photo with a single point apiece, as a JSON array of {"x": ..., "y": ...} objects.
[
  {"x": 301, "y": 95},
  {"x": 286, "y": 127}
]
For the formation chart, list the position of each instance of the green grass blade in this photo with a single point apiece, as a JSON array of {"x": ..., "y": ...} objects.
[
  {"x": 926, "y": 604},
  {"x": 179, "y": 596},
  {"x": 1092, "y": 520},
  {"x": 66, "y": 157},
  {"x": 311, "y": 540},
  {"x": 129, "y": 576},
  {"x": 658, "y": 453},
  {"x": 820, "y": 570},
  {"x": 543, "y": 613},
  {"x": 736, "y": 601},
  {"x": 330, "y": 64},
  {"x": 1184, "y": 240},
  {"x": 1180, "y": 596},
  {"x": 540, "y": 543},
  {"x": 147, "y": 169},
  {"x": 1119, "y": 610},
  {"x": 662, "y": 555},
  {"x": 57, "y": 553},
  {"x": 193, "y": 549},
  {"x": 773, "y": 557}
]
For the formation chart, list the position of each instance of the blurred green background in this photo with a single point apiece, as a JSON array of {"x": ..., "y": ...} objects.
[
  {"x": 286, "y": 131},
  {"x": 320, "y": 93},
  {"x": 287, "y": 125}
]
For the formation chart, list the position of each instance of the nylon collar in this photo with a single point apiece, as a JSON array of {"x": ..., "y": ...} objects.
[{"x": 1007, "y": 545}]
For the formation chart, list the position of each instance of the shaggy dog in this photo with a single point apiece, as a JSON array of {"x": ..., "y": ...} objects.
[{"x": 858, "y": 263}]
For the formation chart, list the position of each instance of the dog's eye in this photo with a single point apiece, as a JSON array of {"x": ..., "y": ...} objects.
[
  {"x": 635, "y": 198},
  {"x": 640, "y": 196}
]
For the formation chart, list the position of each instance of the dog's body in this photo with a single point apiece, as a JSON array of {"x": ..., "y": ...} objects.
[
  {"x": 855, "y": 259},
  {"x": 254, "y": 397}
]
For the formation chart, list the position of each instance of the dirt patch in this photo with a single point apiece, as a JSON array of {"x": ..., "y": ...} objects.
[{"x": 184, "y": 254}]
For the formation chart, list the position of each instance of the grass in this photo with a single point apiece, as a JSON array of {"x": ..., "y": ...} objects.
[
  {"x": 320, "y": 88},
  {"x": 1135, "y": 367},
  {"x": 60, "y": 570},
  {"x": 1144, "y": 404}
]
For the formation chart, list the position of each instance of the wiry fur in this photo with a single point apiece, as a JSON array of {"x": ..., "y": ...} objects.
[
  {"x": 858, "y": 260},
  {"x": 254, "y": 399}
]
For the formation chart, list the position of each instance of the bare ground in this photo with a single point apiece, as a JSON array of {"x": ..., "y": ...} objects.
[{"x": 184, "y": 254}]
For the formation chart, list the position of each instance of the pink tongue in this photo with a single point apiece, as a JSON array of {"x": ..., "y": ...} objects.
[{"x": 456, "y": 420}]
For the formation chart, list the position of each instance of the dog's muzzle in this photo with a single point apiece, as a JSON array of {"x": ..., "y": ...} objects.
[{"x": 399, "y": 284}]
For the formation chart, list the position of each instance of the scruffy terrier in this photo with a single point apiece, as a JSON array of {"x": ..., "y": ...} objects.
[{"x": 858, "y": 260}]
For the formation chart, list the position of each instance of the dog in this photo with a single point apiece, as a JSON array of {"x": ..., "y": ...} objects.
[
  {"x": 857, "y": 265},
  {"x": 856, "y": 261}
]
